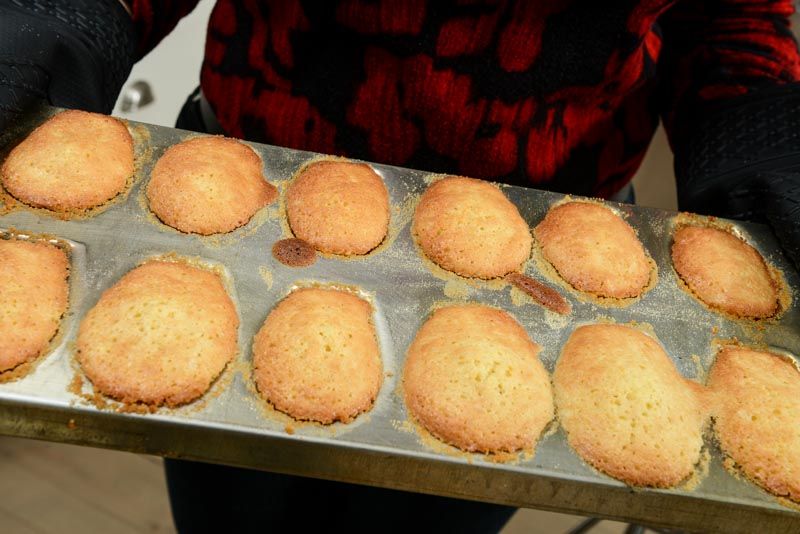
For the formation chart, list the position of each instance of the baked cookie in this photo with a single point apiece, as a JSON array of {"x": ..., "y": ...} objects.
[
  {"x": 625, "y": 408},
  {"x": 594, "y": 250},
  {"x": 73, "y": 162},
  {"x": 161, "y": 335},
  {"x": 473, "y": 379},
  {"x": 34, "y": 291},
  {"x": 317, "y": 358},
  {"x": 208, "y": 185},
  {"x": 339, "y": 207},
  {"x": 757, "y": 416},
  {"x": 724, "y": 272},
  {"x": 469, "y": 227}
]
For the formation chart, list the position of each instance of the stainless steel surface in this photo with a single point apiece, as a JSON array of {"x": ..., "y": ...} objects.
[
  {"x": 137, "y": 95},
  {"x": 232, "y": 425}
]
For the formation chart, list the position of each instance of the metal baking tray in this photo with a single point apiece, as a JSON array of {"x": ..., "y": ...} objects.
[{"x": 231, "y": 425}]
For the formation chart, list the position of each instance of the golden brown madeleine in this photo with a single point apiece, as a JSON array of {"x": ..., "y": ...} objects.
[
  {"x": 338, "y": 207},
  {"x": 594, "y": 250},
  {"x": 757, "y": 416},
  {"x": 625, "y": 408},
  {"x": 208, "y": 185},
  {"x": 161, "y": 335},
  {"x": 469, "y": 227},
  {"x": 317, "y": 357},
  {"x": 73, "y": 162},
  {"x": 34, "y": 291},
  {"x": 724, "y": 272},
  {"x": 473, "y": 379}
]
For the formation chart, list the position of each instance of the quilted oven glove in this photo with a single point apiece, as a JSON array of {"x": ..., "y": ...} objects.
[
  {"x": 70, "y": 53},
  {"x": 743, "y": 162}
]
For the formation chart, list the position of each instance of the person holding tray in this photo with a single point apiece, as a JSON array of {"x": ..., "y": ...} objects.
[{"x": 558, "y": 95}]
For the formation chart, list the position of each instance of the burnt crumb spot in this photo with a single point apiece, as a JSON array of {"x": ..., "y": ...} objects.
[
  {"x": 544, "y": 295},
  {"x": 294, "y": 252}
]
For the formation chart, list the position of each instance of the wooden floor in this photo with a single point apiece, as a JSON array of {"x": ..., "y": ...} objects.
[
  {"x": 49, "y": 488},
  {"x": 55, "y": 488}
]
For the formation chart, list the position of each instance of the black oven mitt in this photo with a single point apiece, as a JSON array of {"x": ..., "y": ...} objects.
[
  {"x": 743, "y": 162},
  {"x": 69, "y": 53}
]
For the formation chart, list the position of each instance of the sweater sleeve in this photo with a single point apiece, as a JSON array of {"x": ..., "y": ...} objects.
[
  {"x": 717, "y": 50},
  {"x": 154, "y": 19}
]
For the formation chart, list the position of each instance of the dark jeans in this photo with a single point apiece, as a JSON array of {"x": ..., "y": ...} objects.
[{"x": 215, "y": 498}]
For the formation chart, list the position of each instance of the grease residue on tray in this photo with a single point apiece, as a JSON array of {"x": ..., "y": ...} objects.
[
  {"x": 266, "y": 276},
  {"x": 294, "y": 252},
  {"x": 540, "y": 293}
]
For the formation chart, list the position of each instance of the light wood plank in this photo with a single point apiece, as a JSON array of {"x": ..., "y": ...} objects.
[
  {"x": 130, "y": 489},
  {"x": 11, "y": 522},
  {"x": 50, "y": 509},
  {"x": 541, "y": 522}
]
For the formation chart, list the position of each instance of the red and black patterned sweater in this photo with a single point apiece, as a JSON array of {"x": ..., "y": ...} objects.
[{"x": 562, "y": 95}]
